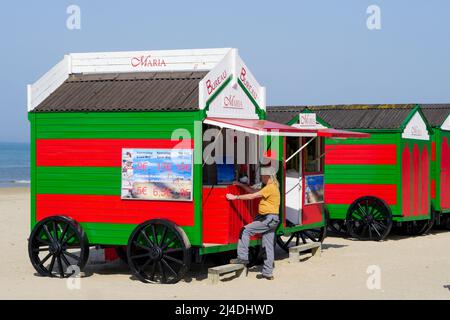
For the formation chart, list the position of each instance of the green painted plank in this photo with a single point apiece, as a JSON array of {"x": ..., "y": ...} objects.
[
  {"x": 375, "y": 138},
  {"x": 361, "y": 174},
  {"x": 32, "y": 120},
  {"x": 111, "y": 233},
  {"x": 120, "y": 125},
  {"x": 78, "y": 180}
]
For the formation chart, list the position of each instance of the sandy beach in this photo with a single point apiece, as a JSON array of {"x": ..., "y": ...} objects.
[{"x": 410, "y": 268}]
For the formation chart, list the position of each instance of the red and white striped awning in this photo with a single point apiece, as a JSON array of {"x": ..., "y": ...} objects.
[{"x": 269, "y": 128}]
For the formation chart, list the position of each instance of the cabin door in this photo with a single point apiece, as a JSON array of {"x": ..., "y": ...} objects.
[{"x": 293, "y": 181}]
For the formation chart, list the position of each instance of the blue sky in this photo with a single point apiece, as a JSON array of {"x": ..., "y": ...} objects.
[{"x": 304, "y": 52}]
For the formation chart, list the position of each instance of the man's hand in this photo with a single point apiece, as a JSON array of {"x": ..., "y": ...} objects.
[{"x": 231, "y": 196}]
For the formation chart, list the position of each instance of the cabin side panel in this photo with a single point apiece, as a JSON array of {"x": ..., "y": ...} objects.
[
  {"x": 362, "y": 167},
  {"x": 77, "y": 169}
]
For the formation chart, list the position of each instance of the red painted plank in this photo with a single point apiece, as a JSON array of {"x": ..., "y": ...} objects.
[
  {"x": 312, "y": 213},
  {"x": 433, "y": 189},
  {"x": 223, "y": 219},
  {"x": 347, "y": 193},
  {"x": 424, "y": 194},
  {"x": 112, "y": 209},
  {"x": 361, "y": 154},
  {"x": 94, "y": 152}
]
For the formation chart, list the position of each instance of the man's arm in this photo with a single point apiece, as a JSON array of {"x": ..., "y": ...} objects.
[{"x": 248, "y": 196}]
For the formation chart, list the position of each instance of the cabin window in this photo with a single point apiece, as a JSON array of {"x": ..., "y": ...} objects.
[
  {"x": 233, "y": 156},
  {"x": 313, "y": 156}
]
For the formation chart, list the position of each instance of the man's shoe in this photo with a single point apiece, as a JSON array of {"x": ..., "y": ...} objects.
[
  {"x": 239, "y": 261},
  {"x": 261, "y": 276}
]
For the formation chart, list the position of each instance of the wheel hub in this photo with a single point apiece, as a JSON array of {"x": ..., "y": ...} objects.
[
  {"x": 55, "y": 248},
  {"x": 156, "y": 253}
]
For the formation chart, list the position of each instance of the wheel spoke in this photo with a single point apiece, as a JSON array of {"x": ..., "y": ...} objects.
[
  {"x": 140, "y": 256},
  {"x": 63, "y": 233},
  {"x": 63, "y": 243},
  {"x": 155, "y": 237},
  {"x": 164, "y": 278},
  {"x": 174, "y": 250},
  {"x": 146, "y": 238},
  {"x": 60, "y": 267},
  {"x": 137, "y": 244},
  {"x": 64, "y": 259},
  {"x": 163, "y": 236},
  {"x": 303, "y": 237},
  {"x": 71, "y": 255},
  {"x": 48, "y": 233},
  {"x": 286, "y": 244},
  {"x": 145, "y": 264},
  {"x": 45, "y": 259},
  {"x": 52, "y": 264},
  {"x": 152, "y": 276},
  {"x": 55, "y": 231},
  {"x": 169, "y": 267},
  {"x": 173, "y": 259}
]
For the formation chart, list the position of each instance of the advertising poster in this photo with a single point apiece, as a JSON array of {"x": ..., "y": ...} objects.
[
  {"x": 314, "y": 189},
  {"x": 157, "y": 174}
]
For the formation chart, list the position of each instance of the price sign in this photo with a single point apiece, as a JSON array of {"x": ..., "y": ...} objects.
[{"x": 157, "y": 174}]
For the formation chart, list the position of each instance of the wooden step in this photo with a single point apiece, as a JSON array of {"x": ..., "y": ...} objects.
[
  {"x": 294, "y": 252},
  {"x": 215, "y": 273}
]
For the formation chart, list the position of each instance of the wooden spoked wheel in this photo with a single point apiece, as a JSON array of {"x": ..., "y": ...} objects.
[
  {"x": 369, "y": 218},
  {"x": 58, "y": 247},
  {"x": 159, "y": 252},
  {"x": 301, "y": 237}
]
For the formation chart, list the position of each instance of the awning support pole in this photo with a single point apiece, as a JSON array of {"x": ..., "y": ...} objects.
[
  {"x": 302, "y": 147},
  {"x": 214, "y": 146}
]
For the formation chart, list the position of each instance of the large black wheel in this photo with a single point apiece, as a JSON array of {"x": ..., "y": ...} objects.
[
  {"x": 159, "y": 252},
  {"x": 369, "y": 218},
  {"x": 58, "y": 247},
  {"x": 416, "y": 227}
]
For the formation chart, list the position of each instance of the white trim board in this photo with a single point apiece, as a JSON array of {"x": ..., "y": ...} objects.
[{"x": 121, "y": 62}]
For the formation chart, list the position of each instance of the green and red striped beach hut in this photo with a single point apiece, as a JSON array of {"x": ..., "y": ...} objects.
[
  {"x": 388, "y": 179},
  {"x": 118, "y": 145}
]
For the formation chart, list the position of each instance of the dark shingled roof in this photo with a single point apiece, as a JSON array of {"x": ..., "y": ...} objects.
[
  {"x": 362, "y": 116},
  {"x": 144, "y": 91}
]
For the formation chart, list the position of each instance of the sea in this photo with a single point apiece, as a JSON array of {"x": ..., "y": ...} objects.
[{"x": 14, "y": 164}]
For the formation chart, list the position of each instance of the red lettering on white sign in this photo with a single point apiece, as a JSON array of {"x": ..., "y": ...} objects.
[
  {"x": 147, "y": 61},
  {"x": 251, "y": 88},
  {"x": 211, "y": 86}
]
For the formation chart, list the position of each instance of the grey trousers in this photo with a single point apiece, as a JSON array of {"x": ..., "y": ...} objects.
[{"x": 266, "y": 226}]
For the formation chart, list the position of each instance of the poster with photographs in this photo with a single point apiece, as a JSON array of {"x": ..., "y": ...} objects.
[
  {"x": 157, "y": 174},
  {"x": 314, "y": 191}
]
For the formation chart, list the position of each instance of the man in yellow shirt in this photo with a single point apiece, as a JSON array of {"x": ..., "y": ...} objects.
[{"x": 264, "y": 223}]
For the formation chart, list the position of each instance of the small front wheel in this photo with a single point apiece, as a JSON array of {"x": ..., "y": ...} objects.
[{"x": 57, "y": 247}]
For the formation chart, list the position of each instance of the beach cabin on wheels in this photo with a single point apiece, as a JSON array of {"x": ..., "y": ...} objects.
[
  {"x": 438, "y": 115},
  {"x": 137, "y": 150},
  {"x": 370, "y": 184}
]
